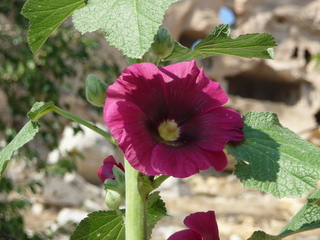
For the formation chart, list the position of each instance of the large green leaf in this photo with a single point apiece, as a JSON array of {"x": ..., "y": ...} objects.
[
  {"x": 45, "y": 17},
  {"x": 156, "y": 211},
  {"x": 314, "y": 199},
  {"x": 308, "y": 218},
  {"x": 129, "y": 25},
  {"x": 39, "y": 109},
  {"x": 100, "y": 225},
  {"x": 25, "y": 135},
  {"x": 108, "y": 225},
  {"x": 260, "y": 235},
  {"x": 274, "y": 159},
  {"x": 257, "y": 45}
]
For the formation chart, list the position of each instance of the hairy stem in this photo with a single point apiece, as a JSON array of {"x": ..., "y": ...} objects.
[
  {"x": 136, "y": 206},
  {"x": 85, "y": 123},
  {"x": 159, "y": 180}
]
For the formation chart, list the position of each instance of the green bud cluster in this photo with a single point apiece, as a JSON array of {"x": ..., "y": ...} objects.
[
  {"x": 115, "y": 189},
  {"x": 163, "y": 43},
  {"x": 96, "y": 90},
  {"x": 113, "y": 199}
]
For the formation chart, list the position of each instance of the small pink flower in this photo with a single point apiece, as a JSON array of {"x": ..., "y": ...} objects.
[
  {"x": 105, "y": 171},
  {"x": 170, "y": 120},
  {"x": 202, "y": 226}
]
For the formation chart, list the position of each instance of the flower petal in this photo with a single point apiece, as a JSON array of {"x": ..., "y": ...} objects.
[
  {"x": 188, "y": 73},
  {"x": 178, "y": 161},
  {"x": 213, "y": 129},
  {"x": 186, "y": 234},
  {"x": 204, "y": 223},
  {"x": 218, "y": 159},
  {"x": 189, "y": 91},
  {"x": 127, "y": 125},
  {"x": 143, "y": 85}
]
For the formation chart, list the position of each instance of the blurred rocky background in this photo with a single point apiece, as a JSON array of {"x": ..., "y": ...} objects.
[{"x": 52, "y": 183}]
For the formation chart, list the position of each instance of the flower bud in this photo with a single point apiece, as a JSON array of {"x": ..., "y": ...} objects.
[
  {"x": 106, "y": 170},
  {"x": 96, "y": 90},
  {"x": 115, "y": 188},
  {"x": 113, "y": 199},
  {"x": 163, "y": 43},
  {"x": 118, "y": 183}
]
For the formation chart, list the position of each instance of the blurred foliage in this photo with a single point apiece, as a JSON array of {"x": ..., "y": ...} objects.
[
  {"x": 26, "y": 78},
  {"x": 11, "y": 221},
  {"x": 316, "y": 58}
]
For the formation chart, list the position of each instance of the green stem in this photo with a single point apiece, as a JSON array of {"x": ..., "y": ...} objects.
[
  {"x": 159, "y": 180},
  {"x": 136, "y": 206},
  {"x": 186, "y": 57},
  {"x": 157, "y": 61},
  {"x": 84, "y": 123}
]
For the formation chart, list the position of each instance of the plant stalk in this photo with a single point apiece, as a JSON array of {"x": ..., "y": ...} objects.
[
  {"x": 85, "y": 123},
  {"x": 136, "y": 206}
]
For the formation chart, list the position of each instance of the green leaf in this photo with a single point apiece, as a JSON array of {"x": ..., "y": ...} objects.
[
  {"x": 39, "y": 109},
  {"x": 257, "y": 45},
  {"x": 25, "y": 135},
  {"x": 260, "y": 235},
  {"x": 108, "y": 225},
  {"x": 129, "y": 25},
  {"x": 274, "y": 159},
  {"x": 315, "y": 198},
  {"x": 45, "y": 17},
  {"x": 156, "y": 211},
  {"x": 316, "y": 58},
  {"x": 308, "y": 218}
]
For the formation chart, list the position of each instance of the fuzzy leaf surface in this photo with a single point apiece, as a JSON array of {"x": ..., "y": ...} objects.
[
  {"x": 129, "y": 25},
  {"x": 308, "y": 218},
  {"x": 25, "y": 135},
  {"x": 274, "y": 159},
  {"x": 315, "y": 198},
  {"x": 45, "y": 17},
  {"x": 100, "y": 225},
  {"x": 156, "y": 211},
  {"x": 260, "y": 235},
  {"x": 258, "y": 45}
]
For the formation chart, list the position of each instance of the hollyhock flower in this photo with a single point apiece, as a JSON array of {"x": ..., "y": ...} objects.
[
  {"x": 202, "y": 226},
  {"x": 170, "y": 120},
  {"x": 105, "y": 171}
]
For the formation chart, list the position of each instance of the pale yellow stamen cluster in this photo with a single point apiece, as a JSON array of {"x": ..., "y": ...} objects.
[{"x": 169, "y": 130}]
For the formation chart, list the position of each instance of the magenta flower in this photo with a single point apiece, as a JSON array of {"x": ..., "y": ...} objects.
[
  {"x": 170, "y": 120},
  {"x": 105, "y": 171},
  {"x": 203, "y": 226}
]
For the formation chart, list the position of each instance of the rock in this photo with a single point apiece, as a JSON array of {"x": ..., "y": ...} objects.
[
  {"x": 72, "y": 190},
  {"x": 190, "y": 20},
  {"x": 235, "y": 237},
  {"x": 173, "y": 188},
  {"x": 37, "y": 208},
  {"x": 70, "y": 215}
]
